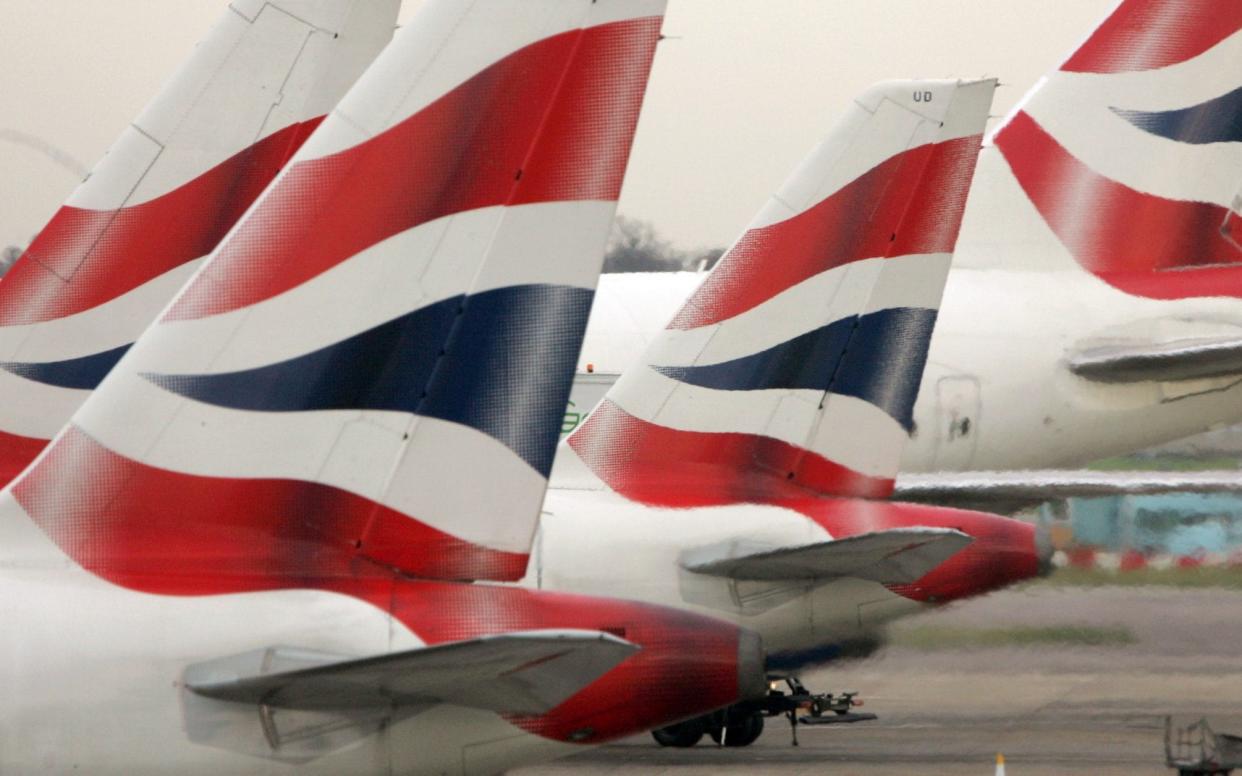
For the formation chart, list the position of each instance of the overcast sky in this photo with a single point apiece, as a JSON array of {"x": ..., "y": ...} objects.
[{"x": 739, "y": 94}]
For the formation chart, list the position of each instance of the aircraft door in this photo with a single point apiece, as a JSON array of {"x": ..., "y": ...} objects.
[{"x": 958, "y": 407}]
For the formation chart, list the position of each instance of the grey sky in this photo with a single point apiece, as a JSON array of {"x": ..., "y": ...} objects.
[{"x": 744, "y": 89}]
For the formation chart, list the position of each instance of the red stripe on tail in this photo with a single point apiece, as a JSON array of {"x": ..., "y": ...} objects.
[
  {"x": 1127, "y": 238},
  {"x": 468, "y": 150},
  {"x": 16, "y": 453},
  {"x": 909, "y": 204},
  {"x": 1149, "y": 34},
  {"x": 84, "y": 258},
  {"x": 178, "y": 534},
  {"x": 666, "y": 467}
]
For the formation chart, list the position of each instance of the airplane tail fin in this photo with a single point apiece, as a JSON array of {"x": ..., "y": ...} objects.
[
  {"x": 368, "y": 371},
  {"x": 794, "y": 367},
  {"x": 169, "y": 189},
  {"x": 1126, "y": 161}
]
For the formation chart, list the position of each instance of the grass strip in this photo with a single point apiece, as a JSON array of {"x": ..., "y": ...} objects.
[
  {"x": 1205, "y": 577},
  {"x": 930, "y": 638}
]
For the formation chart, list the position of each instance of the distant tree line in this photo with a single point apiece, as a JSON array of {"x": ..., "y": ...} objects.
[
  {"x": 9, "y": 257},
  {"x": 635, "y": 246}
]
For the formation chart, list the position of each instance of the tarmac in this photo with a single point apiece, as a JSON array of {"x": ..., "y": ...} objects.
[{"x": 1060, "y": 709}]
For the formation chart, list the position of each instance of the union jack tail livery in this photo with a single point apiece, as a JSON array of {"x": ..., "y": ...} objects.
[
  {"x": 386, "y": 339},
  {"x": 793, "y": 369},
  {"x": 1128, "y": 159},
  {"x": 168, "y": 191}
]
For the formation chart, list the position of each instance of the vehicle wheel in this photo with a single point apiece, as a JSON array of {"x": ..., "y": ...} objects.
[
  {"x": 745, "y": 733},
  {"x": 682, "y": 735},
  {"x": 741, "y": 733}
]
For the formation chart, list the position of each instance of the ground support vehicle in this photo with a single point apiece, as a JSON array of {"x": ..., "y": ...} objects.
[
  {"x": 1197, "y": 750},
  {"x": 743, "y": 723}
]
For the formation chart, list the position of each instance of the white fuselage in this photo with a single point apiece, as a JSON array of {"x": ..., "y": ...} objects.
[{"x": 999, "y": 359}]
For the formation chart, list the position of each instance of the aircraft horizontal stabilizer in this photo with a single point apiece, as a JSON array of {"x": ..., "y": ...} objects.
[
  {"x": 517, "y": 673},
  {"x": 894, "y": 557},
  {"x": 1012, "y": 491},
  {"x": 1194, "y": 359}
]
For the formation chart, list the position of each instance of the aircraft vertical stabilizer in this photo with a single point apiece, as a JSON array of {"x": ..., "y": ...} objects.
[
  {"x": 1125, "y": 161},
  {"x": 169, "y": 189},
  {"x": 794, "y": 367},
  {"x": 367, "y": 372}
]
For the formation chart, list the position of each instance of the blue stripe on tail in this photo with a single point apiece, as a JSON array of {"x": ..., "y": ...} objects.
[
  {"x": 878, "y": 358},
  {"x": 499, "y": 361},
  {"x": 1215, "y": 121},
  {"x": 885, "y": 361},
  {"x": 806, "y": 362},
  {"x": 85, "y": 373}
]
